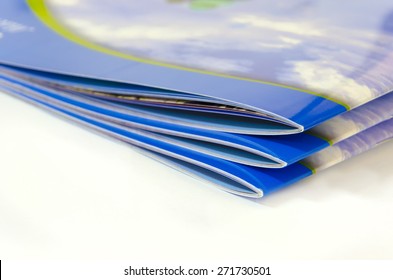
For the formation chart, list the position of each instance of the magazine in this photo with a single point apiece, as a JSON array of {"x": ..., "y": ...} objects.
[
  {"x": 293, "y": 77},
  {"x": 252, "y": 99},
  {"x": 233, "y": 177},
  {"x": 255, "y": 150}
]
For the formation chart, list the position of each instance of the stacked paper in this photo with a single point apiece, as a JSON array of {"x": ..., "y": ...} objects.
[{"x": 250, "y": 95}]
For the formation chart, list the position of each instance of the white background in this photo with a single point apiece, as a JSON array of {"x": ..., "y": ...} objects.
[{"x": 66, "y": 192}]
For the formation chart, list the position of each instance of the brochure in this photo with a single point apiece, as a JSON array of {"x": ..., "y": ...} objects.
[
  {"x": 232, "y": 176},
  {"x": 252, "y": 95},
  {"x": 255, "y": 150}
]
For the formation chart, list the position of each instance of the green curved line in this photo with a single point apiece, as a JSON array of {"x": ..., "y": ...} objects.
[
  {"x": 330, "y": 142},
  {"x": 312, "y": 169},
  {"x": 42, "y": 12}
]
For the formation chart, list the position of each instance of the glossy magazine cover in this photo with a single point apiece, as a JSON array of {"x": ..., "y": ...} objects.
[
  {"x": 256, "y": 150},
  {"x": 253, "y": 95},
  {"x": 234, "y": 177}
]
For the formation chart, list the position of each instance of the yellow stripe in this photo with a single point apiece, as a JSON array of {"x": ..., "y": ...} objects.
[
  {"x": 42, "y": 12},
  {"x": 307, "y": 166},
  {"x": 319, "y": 136}
]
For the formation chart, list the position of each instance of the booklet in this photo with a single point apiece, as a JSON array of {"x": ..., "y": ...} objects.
[
  {"x": 255, "y": 150},
  {"x": 231, "y": 175},
  {"x": 295, "y": 71},
  {"x": 250, "y": 94}
]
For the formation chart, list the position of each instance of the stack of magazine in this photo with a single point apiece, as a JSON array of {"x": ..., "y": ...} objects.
[{"x": 250, "y": 95}]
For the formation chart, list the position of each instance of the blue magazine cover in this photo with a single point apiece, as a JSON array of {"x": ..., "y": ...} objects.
[
  {"x": 297, "y": 64},
  {"x": 229, "y": 175},
  {"x": 251, "y": 95},
  {"x": 236, "y": 178},
  {"x": 255, "y": 150}
]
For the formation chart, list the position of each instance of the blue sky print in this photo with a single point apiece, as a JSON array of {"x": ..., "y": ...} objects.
[
  {"x": 352, "y": 146},
  {"x": 340, "y": 49},
  {"x": 354, "y": 121}
]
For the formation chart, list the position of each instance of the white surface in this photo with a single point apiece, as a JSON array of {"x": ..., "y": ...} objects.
[{"x": 69, "y": 193}]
